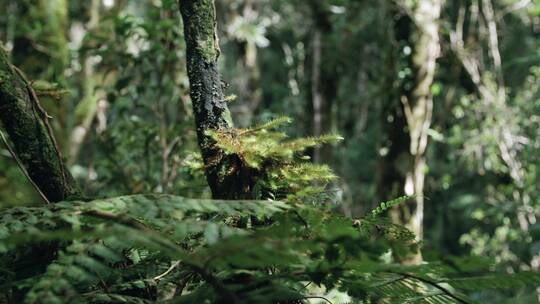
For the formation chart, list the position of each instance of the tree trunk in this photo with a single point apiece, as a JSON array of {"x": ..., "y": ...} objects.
[
  {"x": 324, "y": 78},
  {"x": 90, "y": 99},
  {"x": 418, "y": 109},
  {"x": 249, "y": 91},
  {"x": 316, "y": 95},
  {"x": 226, "y": 175},
  {"x": 32, "y": 140}
]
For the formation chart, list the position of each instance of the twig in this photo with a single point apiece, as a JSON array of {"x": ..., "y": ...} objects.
[
  {"x": 306, "y": 225},
  {"x": 23, "y": 169},
  {"x": 173, "y": 266},
  {"x": 318, "y": 297},
  {"x": 44, "y": 118},
  {"x": 219, "y": 287},
  {"x": 135, "y": 224},
  {"x": 102, "y": 282},
  {"x": 513, "y": 7}
]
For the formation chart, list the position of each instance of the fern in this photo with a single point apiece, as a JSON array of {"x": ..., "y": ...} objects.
[
  {"x": 276, "y": 122},
  {"x": 495, "y": 281},
  {"x": 384, "y": 206},
  {"x": 132, "y": 249},
  {"x": 170, "y": 249}
]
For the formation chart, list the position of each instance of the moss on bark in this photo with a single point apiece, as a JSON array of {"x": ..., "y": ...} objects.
[
  {"x": 30, "y": 138},
  {"x": 226, "y": 175}
]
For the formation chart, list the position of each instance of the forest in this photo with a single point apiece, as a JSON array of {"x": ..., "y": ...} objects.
[{"x": 270, "y": 151}]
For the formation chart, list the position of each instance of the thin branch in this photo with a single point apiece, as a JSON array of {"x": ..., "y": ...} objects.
[
  {"x": 492, "y": 97},
  {"x": 120, "y": 219},
  {"x": 173, "y": 266},
  {"x": 135, "y": 224},
  {"x": 23, "y": 169},
  {"x": 513, "y": 7},
  {"x": 489, "y": 16},
  {"x": 318, "y": 297},
  {"x": 36, "y": 105}
]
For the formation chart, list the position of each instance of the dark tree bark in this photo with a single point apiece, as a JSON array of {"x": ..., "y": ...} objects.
[
  {"x": 33, "y": 144},
  {"x": 226, "y": 176}
]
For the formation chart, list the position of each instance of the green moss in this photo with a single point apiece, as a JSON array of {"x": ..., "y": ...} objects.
[
  {"x": 228, "y": 117},
  {"x": 203, "y": 26},
  {"x": 30, "y": 137},
  {"x": 207, "y": 50}
]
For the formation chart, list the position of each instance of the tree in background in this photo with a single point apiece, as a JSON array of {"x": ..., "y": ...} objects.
[
  {"x": 422, "y": 45},
  {"x": 243, "y": 27},
  {"x": 487, "y": 136}
]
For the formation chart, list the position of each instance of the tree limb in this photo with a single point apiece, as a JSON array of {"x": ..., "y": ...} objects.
[{"x": 33, "y": 142}]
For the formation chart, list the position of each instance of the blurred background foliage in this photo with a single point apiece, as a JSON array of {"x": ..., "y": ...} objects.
[{"x": 125, "y": 124}]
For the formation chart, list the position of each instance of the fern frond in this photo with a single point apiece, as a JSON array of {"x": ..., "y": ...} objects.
[
  {"x": 117, "y": 247},
  {"x": 301, "y": 144},
  {"x": 389, "y": 204},
  {"x": 495, "y": 281},
  {"x": 307, "y": 172},
  {"x": 230, "y": 98},
  {"x": 276, "y": 122}
]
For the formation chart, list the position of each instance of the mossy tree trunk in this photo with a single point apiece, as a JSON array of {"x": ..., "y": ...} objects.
[
  {"x": 31, "y": 140},
  {"x": 226, "y": 175}
]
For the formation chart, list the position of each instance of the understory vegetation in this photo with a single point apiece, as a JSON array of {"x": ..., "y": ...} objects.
[{"x": 165, "y": 248}]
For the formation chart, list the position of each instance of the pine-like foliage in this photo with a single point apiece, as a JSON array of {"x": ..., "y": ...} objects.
[{"x": 281, "y": 163}]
